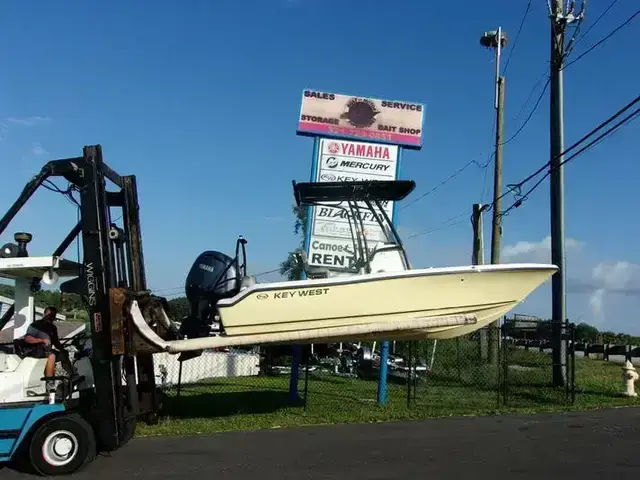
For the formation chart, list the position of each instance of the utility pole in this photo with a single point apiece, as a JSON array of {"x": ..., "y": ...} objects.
[
  {"x": 478, "y": 235},
  {"x": 556, "y": 141},
  {"x": 497, "y": 40},
  {"x": 559, "y": 22},
  {"x": 496, "y": 227},
  {"x": 478, "y": 259}
]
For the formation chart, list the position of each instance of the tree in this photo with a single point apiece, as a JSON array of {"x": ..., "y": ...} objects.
[
  {"x": 69, "y": 304},
  {"x": 291, "y": 267},
  {"x": 179, "y": 308},
  {"x": 586, "y": 333}
]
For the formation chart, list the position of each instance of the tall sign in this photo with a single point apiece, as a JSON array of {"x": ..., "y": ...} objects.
[
  {"x": 369, "y": 119},
  {"x": 356, "y": 138},
  {"x": 330, "y": 244}
]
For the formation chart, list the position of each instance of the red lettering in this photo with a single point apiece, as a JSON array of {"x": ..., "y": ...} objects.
[{"x": 368, "y": 151}]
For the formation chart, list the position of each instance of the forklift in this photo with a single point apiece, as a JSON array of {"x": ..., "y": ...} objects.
[{"x": 59, "y": 433}]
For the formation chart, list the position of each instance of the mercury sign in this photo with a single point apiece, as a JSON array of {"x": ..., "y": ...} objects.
[
  {"x": 388, "y": 121},
  {"x": 331, "y": 245}
]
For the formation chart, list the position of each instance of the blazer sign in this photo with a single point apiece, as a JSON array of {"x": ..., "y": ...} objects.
[{"x": 386, "y": 121}]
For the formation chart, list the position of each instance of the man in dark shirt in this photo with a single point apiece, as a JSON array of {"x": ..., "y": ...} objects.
[{"x": 41, "y": 337}]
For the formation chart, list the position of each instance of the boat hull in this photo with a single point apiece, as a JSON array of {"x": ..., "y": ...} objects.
[{"x": 487, "y": 292}]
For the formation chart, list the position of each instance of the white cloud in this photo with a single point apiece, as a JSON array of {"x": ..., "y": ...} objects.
[
  {"x": 610, "y": 279},
  {"x": 536, "y": 251},
  {"x": 38, "y": 150},
  {"x": 617, "y": 276},
  {"x": 22, "y": 121},
  {"x": 28, "y": 121}
]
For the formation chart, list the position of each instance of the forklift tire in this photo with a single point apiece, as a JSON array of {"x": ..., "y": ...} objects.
[
  {"x": 151, "y": 418},
  {"x": 62, "y": 446}
]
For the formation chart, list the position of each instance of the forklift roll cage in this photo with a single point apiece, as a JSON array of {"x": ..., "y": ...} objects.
[{"x": 112, "y": 259}]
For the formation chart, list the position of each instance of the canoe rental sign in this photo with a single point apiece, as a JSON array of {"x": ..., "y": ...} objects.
[{"x": 386, "y": 121}]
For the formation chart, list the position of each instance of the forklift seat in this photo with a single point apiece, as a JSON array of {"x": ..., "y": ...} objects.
[{"x": 18, "y": 347}]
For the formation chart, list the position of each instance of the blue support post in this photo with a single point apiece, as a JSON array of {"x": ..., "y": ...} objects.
[
  {"x": 382, "y": 381},
  {"x": 384, "y": 345},
  {"x": 297, "y": 350}
]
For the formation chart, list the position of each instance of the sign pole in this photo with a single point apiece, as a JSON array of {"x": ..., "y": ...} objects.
[
  {"x": 384, "y": 345},
  {"x": 296, "y": 352}
]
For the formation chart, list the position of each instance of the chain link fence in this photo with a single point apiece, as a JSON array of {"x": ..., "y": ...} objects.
[
  {"x": 493, "y": 367},
  {"x": 531, "y": 374},
  {"x": 477, "y": 372}
]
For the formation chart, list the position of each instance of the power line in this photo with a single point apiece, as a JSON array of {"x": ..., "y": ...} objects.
[
  {"x": 600, "y": 17},
  {"x": 443, "y": 225},
  {"x": 533, "y": 89},
  {"x": 180, "y": 288},
  {"x": 445, "y": 181},
  {"x": 515, "y": 42},
  {"x": 533, "y": 110},
  {"x": 601, "y": 41},
  {"x": 491, "y": 156},
  {"x": 535, "y": 107},
  {"x": 519, "y": 185},
  {"x": 591, "y": 144}
]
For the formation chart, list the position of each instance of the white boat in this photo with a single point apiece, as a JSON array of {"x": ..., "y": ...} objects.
[{"x": 379, "y": 296}]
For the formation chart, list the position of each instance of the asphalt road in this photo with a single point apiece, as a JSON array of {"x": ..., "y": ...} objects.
[{"x": 602, "y": 444}]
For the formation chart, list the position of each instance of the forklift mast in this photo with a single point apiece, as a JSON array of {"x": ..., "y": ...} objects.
[{"x": 112, "y": 259}]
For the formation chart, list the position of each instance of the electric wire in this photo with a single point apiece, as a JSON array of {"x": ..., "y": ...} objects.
[
  {"x": 600, "y": 17},
  {"x": 443, "y": 225},
  {"x": 491, "y": 157},
  {"x": 533, "y": 89},
  {"x": 445, "y": 181},
  {"x": 515, "y": 42},
  {"x": 533, "y": 110},
  {"x": 602, "y": 40},
  {"x": 591, "y": 144},
  {"x": 181, "y": 287},
  {"x": 519, "y": 185},
  {"x": 572, "y": 42}
]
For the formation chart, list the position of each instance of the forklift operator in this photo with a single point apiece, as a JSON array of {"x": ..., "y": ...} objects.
[{"x": 41, "y": 337}]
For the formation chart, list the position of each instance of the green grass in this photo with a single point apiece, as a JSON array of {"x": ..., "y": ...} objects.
[{"x": 457, "y": 386}]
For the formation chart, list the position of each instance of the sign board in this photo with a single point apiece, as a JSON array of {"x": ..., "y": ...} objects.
[
  {"x": 331, "y": 245},
  {"x": 388, "y": 121}
]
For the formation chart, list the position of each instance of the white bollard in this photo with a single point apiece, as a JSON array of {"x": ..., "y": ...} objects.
[{"x": 629, "y": 377}]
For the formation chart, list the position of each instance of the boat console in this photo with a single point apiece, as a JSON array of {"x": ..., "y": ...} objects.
[
  {"x": 385, "y": 256},
  {"x": 216, "y": 276}
]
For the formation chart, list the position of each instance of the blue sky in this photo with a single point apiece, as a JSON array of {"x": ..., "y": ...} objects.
[{"x": 199, "y": 99}]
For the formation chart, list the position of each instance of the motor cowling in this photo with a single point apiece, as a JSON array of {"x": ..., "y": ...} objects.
[{"x": 212, "y": 277}]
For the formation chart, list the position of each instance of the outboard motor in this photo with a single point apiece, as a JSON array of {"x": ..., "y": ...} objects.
[{"x": 213, "y": 276}]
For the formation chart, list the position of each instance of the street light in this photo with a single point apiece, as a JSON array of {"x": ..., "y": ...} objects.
[{"x": 497, "y": 40}]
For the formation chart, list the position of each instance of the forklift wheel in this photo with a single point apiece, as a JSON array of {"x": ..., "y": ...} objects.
[
  {"x": 63, "y": 445},
  {"x": 151, "y": 418}
]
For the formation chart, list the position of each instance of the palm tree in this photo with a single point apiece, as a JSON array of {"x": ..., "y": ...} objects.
[{"x": 291, "y": 268}]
